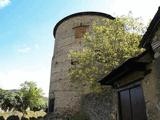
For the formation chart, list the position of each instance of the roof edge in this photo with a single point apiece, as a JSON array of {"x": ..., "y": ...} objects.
[
  {"x": 152, "y": 28},
  {"x": 81, "y": 14},
  {"x": 122, "y": 69}
]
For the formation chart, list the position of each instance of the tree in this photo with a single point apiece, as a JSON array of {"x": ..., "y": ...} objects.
[
  {"x": 31, "y": 97},
  {"x": 108, "y": 45},
  {"x": 1, "y": 96},
  {"x": 7, "y": 100}
]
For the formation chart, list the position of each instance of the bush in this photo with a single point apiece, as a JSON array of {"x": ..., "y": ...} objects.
[
  {"x": 13, "y": 117},
  {"x": 33, "y": 118},
  {"x": 38, "y": 118},
  {"x": 24, "y": 118},
  {"x": 2, "y": 118}
]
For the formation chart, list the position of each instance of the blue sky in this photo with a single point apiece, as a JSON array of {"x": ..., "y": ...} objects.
[{"x": 26, "y": 39}]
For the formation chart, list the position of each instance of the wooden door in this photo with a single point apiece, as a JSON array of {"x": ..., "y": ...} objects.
[{"x": 132, "y": 105}]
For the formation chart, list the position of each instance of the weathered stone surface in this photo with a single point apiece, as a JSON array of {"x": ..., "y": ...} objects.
[
  {"x": 67, "y": 95},
  {"x": 101, "y": 106},
  {"x": 151, "y": 90}
]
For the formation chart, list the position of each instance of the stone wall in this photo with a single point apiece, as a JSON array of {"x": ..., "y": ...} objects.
[
  {"x": 151, "y": 82},
  {"x": 151, "y": 86},
  {"x": 101, "y": 106}
]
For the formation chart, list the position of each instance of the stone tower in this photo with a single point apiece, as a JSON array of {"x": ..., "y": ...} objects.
[{"x": 68, "y": 34}]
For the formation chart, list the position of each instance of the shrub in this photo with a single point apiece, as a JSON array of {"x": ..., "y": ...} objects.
[
  {"x": 2, "y": 118},
  {"x": 40, "y": 117},
  {"x": 33, "y": 118},
  {"x": 24, "y": 118},
  {"x": 13, "y": 117}
]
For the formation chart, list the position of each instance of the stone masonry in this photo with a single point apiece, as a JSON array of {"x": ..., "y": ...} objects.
[{"x": 68, "y": 35}]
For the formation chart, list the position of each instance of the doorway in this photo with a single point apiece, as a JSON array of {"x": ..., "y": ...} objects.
[{"x": 132, "y": 104}]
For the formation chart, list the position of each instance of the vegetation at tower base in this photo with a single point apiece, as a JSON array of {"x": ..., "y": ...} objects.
[{"x": 104, "y": 48}]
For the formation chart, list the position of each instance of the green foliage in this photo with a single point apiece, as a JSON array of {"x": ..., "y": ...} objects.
[
  {"x": 108, "y": 45},
  {"x": 32, "y": 96},
  {"x": 7, "y": 100},
  {"x": 28, "y": 115},
  {"x": 29, "y": 96}
]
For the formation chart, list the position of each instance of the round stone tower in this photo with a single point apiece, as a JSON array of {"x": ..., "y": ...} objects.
[{"x": 68, "y": 34}]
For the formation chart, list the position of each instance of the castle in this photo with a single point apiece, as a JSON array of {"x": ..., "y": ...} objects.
[{"x": 134, "y": 85}]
